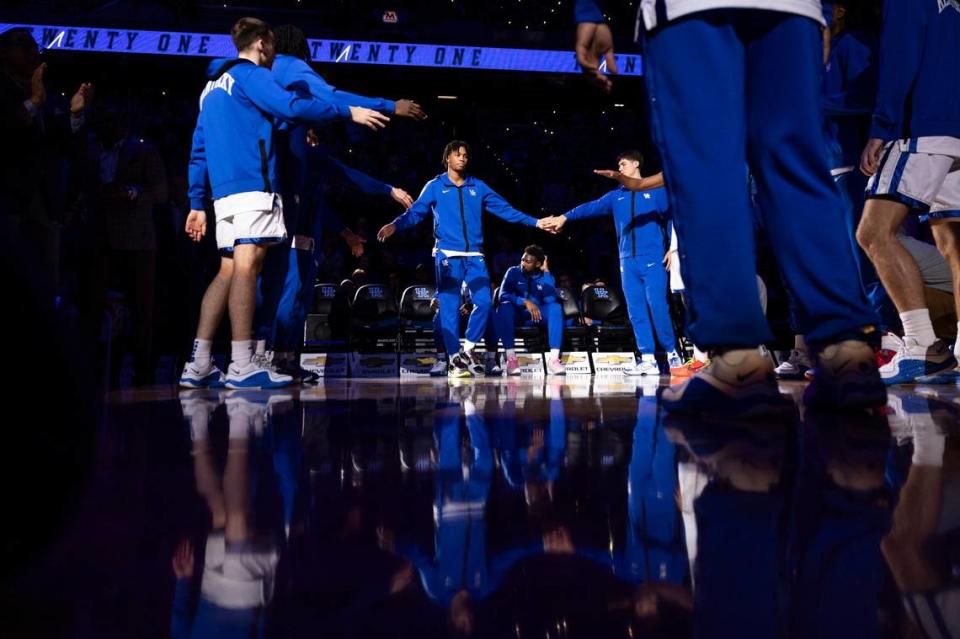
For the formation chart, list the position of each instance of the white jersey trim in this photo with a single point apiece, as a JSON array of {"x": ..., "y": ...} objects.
[{"x": 679, "y": 8}]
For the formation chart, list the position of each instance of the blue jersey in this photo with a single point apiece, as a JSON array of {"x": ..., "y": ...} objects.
[
  {"x": 517, "y": 287},
  {"x": 919, "y": 92},
  {"x": 457, "y": 212},
  {"x": 233, "y": 143},
  {"x": 640, "y": 219}
]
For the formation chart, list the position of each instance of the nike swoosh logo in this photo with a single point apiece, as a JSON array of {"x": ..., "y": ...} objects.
[
  {"x": 742, "y": 378},
  {"x": 445, "y": 191}
]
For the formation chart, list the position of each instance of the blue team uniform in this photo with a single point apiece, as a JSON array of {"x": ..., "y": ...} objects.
[
  {"x": 641, "y": 220},
  {"x": 286, "y": 282},
  {"x": 541, "y": 289},
  {"x": 457, "y": 226}
]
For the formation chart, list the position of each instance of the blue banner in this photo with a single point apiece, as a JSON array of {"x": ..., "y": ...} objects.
[{"x": 106, "y": 40}]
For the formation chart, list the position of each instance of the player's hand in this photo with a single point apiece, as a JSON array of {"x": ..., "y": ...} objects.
[
  {"x": 595, "y": 41},
  {"x": 546, "y": 264},
  {"x": 465, "y": 309},
  {"x": 870, "y": 158},
  {"x": 82, "y": 99},
  {"x": 384, "y": 234},
  {"x": 312, "y": 138},
  {"x": 368, "y": 118},
  {"x": 434, "y": 304},
  {"x": 534, "y": 310},
  {"x": 668, "y": 260},
  {"x": 409, "y": 109},
  {"x": 355, "y": 242},
  {"x": 552, "y": 224},
  {"x": 38, "y": 91},
  {"x": 196, "y": 225},
  {"x": 401, "y": 197},
  {"x": 401, "y": 579},
  {"x": 547, "y": 224},
  {"x": 182, "y": 561}
]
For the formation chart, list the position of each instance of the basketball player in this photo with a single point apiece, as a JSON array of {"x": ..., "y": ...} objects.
[
  {"x": 234, "y": 150},
  {"x": 913, "y": 156},
  {"x": 457, "y": 201},
  {"x": 745, "y": 80},
  {"x": 641, "y": 223}
]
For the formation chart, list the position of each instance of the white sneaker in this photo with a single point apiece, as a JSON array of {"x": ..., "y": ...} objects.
[
  {"x": 795, "y": 366},
  {"x": 913, "y": 360},
  {"x": 645, "y": 367},
  {"x": 255, "y": 375},
  {"x": 195, "y": 376},
  {"x": 556, "y": 367},
  {"x": 439, "y": 368}
]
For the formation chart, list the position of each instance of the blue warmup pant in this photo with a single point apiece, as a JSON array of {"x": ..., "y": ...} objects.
[
  {"x": 645, "y": 289},
  {"x": 761, "y": 71},
  {"x": 489, "y": 335},
  {"x": 509, "y": 316},
  {"x": 451, "y": 273},
  {"x": 285, "y": 292}
]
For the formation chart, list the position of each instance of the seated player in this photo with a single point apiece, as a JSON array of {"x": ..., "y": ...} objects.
[{"x": 528, "y": 297}]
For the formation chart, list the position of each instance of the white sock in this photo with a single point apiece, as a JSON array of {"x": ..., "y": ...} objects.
[
  {"x": 799, "y": 343},
  {"x": 648, "y": 357},
  {"x": 261, "y": 347},
  {"x": 917, "y": 324},
  {"x": 201, "y": 351},
  {"x": 699, "y": 355},
  {"x": 441, "y": 357},
  {"x": 554, "y": 353},
  {"x": 468, "y": 346},
  {"x": 511, "y": 352},
  {"x": 241, "y": 352}
]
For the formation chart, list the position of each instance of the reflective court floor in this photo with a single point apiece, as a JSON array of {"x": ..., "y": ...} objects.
[{"x": 497, "y": 508}]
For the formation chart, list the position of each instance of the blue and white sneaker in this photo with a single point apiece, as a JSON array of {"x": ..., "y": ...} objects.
[
  {"x": 195, "y": 376},
  {"x": 913, "y": 361},
  {"x": 643, "y": 367},
  {"x": 439, "y": 368},
  {"x": 846, "y": 377},
  {"x": 739, "y": 384},
  {"x": 255, "y": 375}
]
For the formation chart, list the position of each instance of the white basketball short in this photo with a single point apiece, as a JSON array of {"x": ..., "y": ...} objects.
[
  {"x": 923, "y": 173},
  {"x": 249, "y": 218}
]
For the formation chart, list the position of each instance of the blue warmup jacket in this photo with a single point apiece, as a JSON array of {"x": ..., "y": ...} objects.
[
  {"x": 919, "y": 92},
  {"x": 540, "y": 288},
  {"x": 233, "y": 143},
  {"x": 457, "y": 224},
  {"x": 640, "y": 219},
  {"x": 849, "y": 89},
  {"x": 297, "y": 75}
]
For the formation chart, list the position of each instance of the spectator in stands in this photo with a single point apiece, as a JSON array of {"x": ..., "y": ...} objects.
[
  {"x": 35, "y": 139},
  {"x": 122, "y": 179}
]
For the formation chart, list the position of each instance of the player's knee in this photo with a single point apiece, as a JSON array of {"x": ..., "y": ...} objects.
[{"x": 871, "y": 236}]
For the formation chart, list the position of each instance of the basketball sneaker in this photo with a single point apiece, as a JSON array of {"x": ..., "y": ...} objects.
[
  {"x": 739, "y": 383},
  {"x": 255, "y": 375},
  {"x": 912, "y": 361},
  {"x": 196, "y": 376},
  {"x": 846, "y": 376}
]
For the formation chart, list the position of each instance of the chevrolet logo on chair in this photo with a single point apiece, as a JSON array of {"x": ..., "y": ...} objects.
[{"x": 611, "y": 359}]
